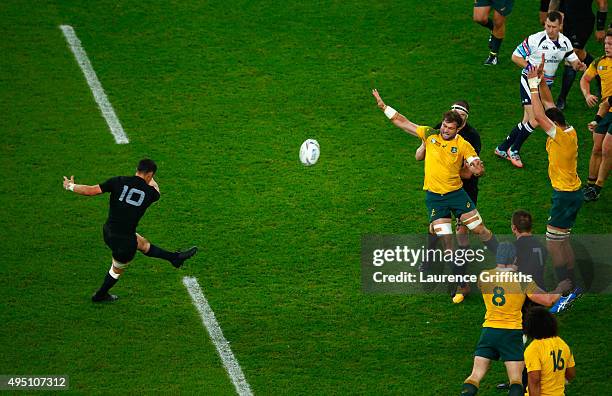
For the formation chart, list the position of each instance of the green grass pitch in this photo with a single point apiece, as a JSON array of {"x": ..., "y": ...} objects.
[{"x": 221, "y": 95}]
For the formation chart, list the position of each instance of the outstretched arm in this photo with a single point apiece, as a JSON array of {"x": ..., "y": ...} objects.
[
  {"x": 534, "y": 75},
  {"x": 396, "y": 118},
  {"x": 539, "y": 296},
  {"x": 81, "y": 189}
]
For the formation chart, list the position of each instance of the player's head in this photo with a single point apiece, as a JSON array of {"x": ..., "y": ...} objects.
[
  {"x": 553, "y": 24},
  {"x": 147, "y": 166},
  {"x": 451, "y": 122},
  {"x": 463, "y": 109},
  {"x": 521, "y": 222},
  {"x": 608, "y": 43},
  {"x": 556, "y": 116},
  {"x": 540, "y": 323}
]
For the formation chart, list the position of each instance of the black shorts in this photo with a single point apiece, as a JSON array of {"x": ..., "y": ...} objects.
[
  {"x": 578, "y": 30},
  {"x": 122, "y": 246}
]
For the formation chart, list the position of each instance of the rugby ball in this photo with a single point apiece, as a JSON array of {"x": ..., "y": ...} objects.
[{"x": 309, "y": 152}]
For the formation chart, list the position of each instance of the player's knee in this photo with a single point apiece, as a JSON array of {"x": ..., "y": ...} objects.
[
  {"x": 597, "y": 149},
  {"x": 117, "y": 268},
  {"x": 143, "y": 244},
  {"x": 442, "y": 229},
  {"x": 480, "y": 18},
  {"x": 473, "y": 223}
]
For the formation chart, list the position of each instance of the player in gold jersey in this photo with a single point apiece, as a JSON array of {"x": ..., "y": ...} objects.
[
  {"x": 567, "y": 197},
  {"x": 549, "y": 360},
  {"x": 446, "y": 154},
  {"x": 504, "y": 291},
  {"x": 601, "y": 155}
]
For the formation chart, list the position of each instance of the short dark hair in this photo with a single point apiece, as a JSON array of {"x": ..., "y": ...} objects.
[
  {"x": 453, "y": 116},
  {"x": 147, "y": 165},
  {"x": 609, "y": 33},
  {"x": 556, "y": 115},
  {"x": 522, "y": 220},
  {"x": 555, "y": 16},
  {"x": 540, "y": 323}
]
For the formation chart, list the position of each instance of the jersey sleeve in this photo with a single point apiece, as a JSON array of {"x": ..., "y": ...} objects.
[
  {"x": 468, "y": 151},
  {"x": 155, "y": 194},
  {"x": 109, "y": 185},
  {"x": 532, "y": 362},
  {"x": 591, "y": 71},
  {"x": 424, "y": 131},
  {"x": 523, "y": 49},
  {"x": 530, "y": 288},
  {"x": 570, "y": 361}
]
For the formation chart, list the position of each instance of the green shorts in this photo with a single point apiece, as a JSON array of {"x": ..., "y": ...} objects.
[
  {"x": 501, "y": 344},
  {"x": 605, "y": 124},
  {"x": 565, "y": 207},
  {"x": 504, "y": 7},
  {"x": 440, "y": 206}
]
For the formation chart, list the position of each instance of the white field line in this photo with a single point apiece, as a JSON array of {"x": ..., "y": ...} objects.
[
  {"x": 214, "y": 330},
  {"x": 94, "y": 84}
]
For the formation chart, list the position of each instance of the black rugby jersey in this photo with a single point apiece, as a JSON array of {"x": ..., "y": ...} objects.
[
  {"x": 531, "y": 257},
  {"x": 130, "y": 197}
]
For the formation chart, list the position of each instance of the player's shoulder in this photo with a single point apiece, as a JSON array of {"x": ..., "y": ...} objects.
[
  {"x": 470, "y": 134},
  {"x": 564, "y": 41},
  {"x": 110, "y": 184},
  {"x": 537, "y": 38},
  {"x": 428, "y": 131}
]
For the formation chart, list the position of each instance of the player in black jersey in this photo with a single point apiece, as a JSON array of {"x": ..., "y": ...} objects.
[
  {"x": 130, "y": 196},
  {"x": 470, "y": 185},
  {"x": 578, "y": 23},
  {"x": 530, "y": 253}
]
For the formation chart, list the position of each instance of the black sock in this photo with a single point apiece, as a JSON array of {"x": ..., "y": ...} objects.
[
  {"x": 522, "y": 136},
  {"x": 569, "y": 75},
  {"x": 495, "y": 44},
  {"x": 510, "y": 138},
  {"x": 561, "y": 273},
  {"x": 516, "y": 390},
  {"x": 469, "y": 389},
  {"x": 158, "y": 252},
  {"x": 492, "y": 244},
  {"x": 488, "y": 24},
  {"x": 109, "y": 282}
]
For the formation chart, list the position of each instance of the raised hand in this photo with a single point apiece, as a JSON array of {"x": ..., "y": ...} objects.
[
  {"x": 379, "y": 101},
  {"x": 68, "y": 182}
]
